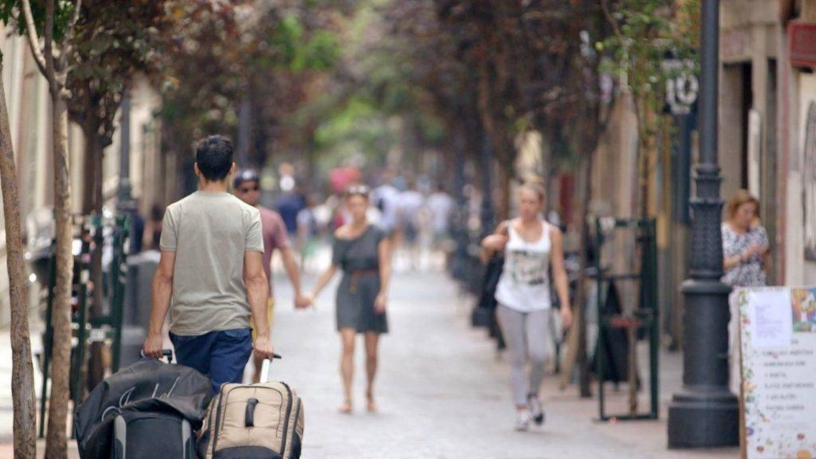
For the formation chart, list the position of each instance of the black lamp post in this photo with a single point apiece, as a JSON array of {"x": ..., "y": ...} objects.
[
  {"x": 125, "y": 201},
  {"x": 705, "y": 413}
]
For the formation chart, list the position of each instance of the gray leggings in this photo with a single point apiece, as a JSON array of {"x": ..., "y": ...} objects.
[{"x": 528, "y": 337}]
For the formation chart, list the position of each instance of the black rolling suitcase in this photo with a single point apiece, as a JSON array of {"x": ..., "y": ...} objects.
[
  {"x": 138, "y": 435},
  {"x": 149, "y": 410}
]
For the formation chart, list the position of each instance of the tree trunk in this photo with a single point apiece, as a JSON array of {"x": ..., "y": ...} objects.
[
  {"x": 94, "y": 367},
  {"x": 56, "y": 446},
  {"x": 580, "y": 300},
  {"x": 22, "y": 378},
  {"x": 577, "y": 340},
  {"x": 89, "y": 169}
]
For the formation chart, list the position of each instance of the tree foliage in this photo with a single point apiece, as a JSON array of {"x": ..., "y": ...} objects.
[
  {"x": 229, "y": 52},
  {"x": 114, "y": 41},
  {"x": 645, "y": 33}
]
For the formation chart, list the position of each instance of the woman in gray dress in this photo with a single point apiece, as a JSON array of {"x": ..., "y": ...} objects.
[{"x": 363, "y": 253}]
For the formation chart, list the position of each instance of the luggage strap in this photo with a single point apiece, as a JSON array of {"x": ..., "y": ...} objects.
[{"x": 249, "y": 417}]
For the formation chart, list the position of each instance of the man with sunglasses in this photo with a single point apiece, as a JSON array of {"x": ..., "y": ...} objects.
[{"x": 246, "y": 187}]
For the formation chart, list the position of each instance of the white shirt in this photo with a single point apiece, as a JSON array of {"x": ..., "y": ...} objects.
[
  {"x": 440, "y": 206},
  {"x": 525, "y": 284},
  {"x": 386, "y": 196},
  {"x": 410, "y": 203}
]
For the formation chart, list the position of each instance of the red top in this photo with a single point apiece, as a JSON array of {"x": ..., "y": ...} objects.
[{"x": 274, "y": 237}]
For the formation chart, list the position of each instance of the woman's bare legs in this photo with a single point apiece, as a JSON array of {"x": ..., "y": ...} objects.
[
  {"x": 347, "y": 335},
  {"x": 372, "y": 341}
]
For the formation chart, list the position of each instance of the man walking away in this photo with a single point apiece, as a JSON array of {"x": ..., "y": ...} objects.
[
  {"x": 247, "y": 187},
  {"x": 410, "y": 205},
  {"x": 212, "y": 268},
  {"x": 440, "y": 205},
  {"x": 385, "y": 197}
]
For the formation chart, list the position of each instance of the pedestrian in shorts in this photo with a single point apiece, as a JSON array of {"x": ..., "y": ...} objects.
[{"x": 211, "y": 270}]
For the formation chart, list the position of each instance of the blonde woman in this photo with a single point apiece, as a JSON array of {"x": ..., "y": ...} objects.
[
  {"x": 745, "y": 243},
  {"x": 745, "y": 258},
  {"x": 530, "y": 246}
]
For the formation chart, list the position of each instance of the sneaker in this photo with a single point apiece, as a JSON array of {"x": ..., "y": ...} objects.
[
  {"x": 522, "y": 420},
  {"x": 536, "y": 411}
]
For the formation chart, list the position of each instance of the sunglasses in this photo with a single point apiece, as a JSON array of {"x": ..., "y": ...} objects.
[
  {"x": 247, "y": 190},
  {"x": 357, "y": 190}
]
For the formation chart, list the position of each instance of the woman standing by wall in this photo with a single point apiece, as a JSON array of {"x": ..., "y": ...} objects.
[
  {"x": 531, "y": 246},
  {"x": 363, "y": 253},
  {"x": 745, "y": 258}
]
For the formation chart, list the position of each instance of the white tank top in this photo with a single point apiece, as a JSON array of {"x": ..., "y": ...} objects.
[{"x": 525, "y": 284}]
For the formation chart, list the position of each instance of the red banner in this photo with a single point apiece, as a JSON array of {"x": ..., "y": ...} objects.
[{"x": 802, "y": 43}]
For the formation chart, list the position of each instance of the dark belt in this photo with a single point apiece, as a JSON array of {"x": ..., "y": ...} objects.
[{"x": 356, "y": 275}]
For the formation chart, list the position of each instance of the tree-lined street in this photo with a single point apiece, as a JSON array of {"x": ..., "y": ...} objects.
[
  {"x": 443, "y": 391},
  {"x": 629, "y": 162}
]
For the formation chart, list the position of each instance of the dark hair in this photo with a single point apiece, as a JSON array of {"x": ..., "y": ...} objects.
[{"x": 214, "y": 157}]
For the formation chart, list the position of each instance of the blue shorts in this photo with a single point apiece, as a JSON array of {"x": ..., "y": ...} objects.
[{"x": 220, "y": 355}]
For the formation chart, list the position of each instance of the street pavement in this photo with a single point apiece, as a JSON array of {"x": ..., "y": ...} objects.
[{"x": 442, "y": 390}]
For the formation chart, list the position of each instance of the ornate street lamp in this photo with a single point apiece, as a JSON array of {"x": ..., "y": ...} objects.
[{"x": 705, "y": 413}]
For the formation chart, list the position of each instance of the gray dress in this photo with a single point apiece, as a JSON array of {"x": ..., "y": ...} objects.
[{"x": 359, "y": 259}]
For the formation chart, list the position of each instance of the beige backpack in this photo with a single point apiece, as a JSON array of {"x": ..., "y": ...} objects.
[{"x": 258, "y": 421}]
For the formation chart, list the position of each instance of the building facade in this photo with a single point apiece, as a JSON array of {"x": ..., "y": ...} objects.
[{"x": 29, "y": 103}]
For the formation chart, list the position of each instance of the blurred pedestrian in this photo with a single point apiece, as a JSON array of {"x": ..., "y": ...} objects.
[
  {"x": 385, "y": 198},
  {"x": 440, "y": 205},
  {"x": 746, "y": 252},
  {"x": 153, "y": 227},
  {"x": 289, "y": 205},
  {"x": 409, "y": 212},
  {"x": 307, "y": 231},
  {"x": 137, "y": 229},
  {"x": 363, "y": 252},
  {"x": 530, "y": 246},
  {"x": 211, "y": 268},
  {"x": 247, "y": 187}
]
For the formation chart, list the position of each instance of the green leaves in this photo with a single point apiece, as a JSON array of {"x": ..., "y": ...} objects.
[
  {"x": 296, "y": 51},
  {"x": 10, "y": 13},
  {"x": 645, "y": 32}
]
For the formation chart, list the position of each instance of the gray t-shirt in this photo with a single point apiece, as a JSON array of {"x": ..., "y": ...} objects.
[{"x": 210, "y": 232}]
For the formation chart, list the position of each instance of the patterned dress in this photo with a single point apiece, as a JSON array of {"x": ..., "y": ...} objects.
[{"x": 747, "y": 273}]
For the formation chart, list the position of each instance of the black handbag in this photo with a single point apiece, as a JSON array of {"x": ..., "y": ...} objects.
[
  {"x": 485, "y": 310},
  {"x": 490, "y": 281}
]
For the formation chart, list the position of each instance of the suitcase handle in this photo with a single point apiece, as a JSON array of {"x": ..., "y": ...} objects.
[
  {"x": 166, "y": 353},
  {"x": 249, "y": 416},
  {"x": 265, "y": 368}
]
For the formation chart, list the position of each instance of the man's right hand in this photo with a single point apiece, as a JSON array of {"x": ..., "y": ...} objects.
[
  {"x": 153, "y": 346},
  {"x": 263, "y": 348}
]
